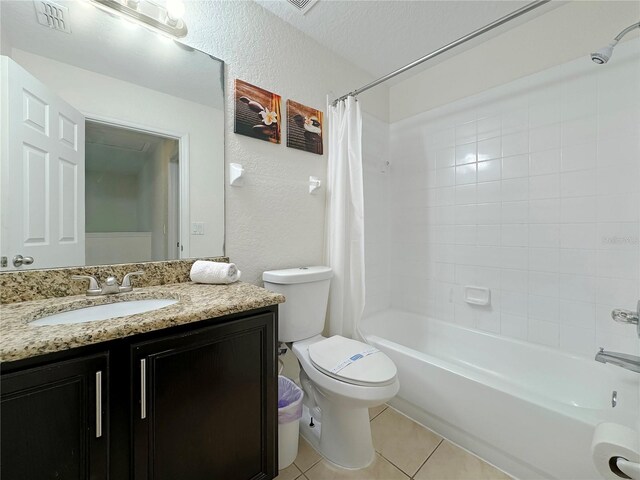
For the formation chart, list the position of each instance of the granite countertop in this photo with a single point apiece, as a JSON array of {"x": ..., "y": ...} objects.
[{"x": 19, "y": 339}]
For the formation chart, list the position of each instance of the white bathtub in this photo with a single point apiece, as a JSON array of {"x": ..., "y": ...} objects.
[{"x": 527, "y": 409}]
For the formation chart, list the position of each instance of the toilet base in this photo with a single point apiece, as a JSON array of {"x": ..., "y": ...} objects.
[{"x": 343, "y": 437}]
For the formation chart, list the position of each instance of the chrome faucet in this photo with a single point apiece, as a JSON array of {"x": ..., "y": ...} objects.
[
  {"x": 110, "y": 285},
  {"x": 623, "y": 360},
  {"x": 630, "y": 362}
]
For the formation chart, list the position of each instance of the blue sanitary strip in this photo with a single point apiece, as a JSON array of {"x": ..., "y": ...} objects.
[{"x": 345, "y": 363}]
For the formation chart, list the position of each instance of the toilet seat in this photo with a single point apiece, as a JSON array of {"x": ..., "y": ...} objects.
[{"x": 352, "y": 361}]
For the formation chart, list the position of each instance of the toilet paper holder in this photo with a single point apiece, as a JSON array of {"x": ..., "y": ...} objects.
[
  {"x": 615, "y": 451},
  {"x": 623, "y": 468}
]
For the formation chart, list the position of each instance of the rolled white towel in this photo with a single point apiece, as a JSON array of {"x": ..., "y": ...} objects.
[{"x": 214, "y": 272}]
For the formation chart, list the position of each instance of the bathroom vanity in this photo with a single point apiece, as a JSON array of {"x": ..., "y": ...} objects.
[{"x": 188, "y": 391}]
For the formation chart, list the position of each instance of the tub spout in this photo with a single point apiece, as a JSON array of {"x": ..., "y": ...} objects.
[{"x": 623, "y": 360}]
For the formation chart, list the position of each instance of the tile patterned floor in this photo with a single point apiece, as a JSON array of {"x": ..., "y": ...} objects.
[{"x": 404, "y": 450}]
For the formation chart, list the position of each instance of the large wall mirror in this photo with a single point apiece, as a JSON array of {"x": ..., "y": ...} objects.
[{"x": 112, "y": 141}]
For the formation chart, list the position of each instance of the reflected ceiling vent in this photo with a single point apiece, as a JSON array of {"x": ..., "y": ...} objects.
[
  {"x": 303, "y": 6},
  {"x": 52, "y": 15}
]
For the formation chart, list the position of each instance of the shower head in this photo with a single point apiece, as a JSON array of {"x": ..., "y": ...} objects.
[{"x": 603, "y": 55}]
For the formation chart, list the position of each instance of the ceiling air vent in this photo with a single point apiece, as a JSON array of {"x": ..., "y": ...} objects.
[
  {"x": 303, "y": 5},
  {"x": 53, "y": 16}
]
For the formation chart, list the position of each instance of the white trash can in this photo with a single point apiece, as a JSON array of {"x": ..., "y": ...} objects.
[{"x": 289, "y": 414}]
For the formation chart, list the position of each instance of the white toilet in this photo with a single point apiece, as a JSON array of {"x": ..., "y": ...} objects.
[{"x": 342, "y": 378}]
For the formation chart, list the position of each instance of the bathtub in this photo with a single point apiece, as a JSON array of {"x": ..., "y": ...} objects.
[{"x": 527, "y": 409}]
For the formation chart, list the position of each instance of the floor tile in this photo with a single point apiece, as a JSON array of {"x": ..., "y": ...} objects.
[
  {"x": 402, "y": 441},
  {"x": 380, "y": 469},
  {"x": 375, "y": 411},
  {"x": 290, "y": 473},
  {"x": 449, "y": 462},
  {"x": 307, "y": 456}
]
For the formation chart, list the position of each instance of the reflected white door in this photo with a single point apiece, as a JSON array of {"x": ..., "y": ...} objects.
[{"x": 42, "y": 174}]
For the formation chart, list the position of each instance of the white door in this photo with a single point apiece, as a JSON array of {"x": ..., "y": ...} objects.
[{"x": 42, "y": 174}]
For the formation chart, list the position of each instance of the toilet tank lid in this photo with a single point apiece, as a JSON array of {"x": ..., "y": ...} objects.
[{"x": 298, "y": 275}]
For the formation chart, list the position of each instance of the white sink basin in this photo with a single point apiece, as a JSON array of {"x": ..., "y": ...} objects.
[{"x": 104, "y": 312}]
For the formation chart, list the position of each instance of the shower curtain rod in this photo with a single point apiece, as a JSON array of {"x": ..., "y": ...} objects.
[{"x": 516, "y": 13}]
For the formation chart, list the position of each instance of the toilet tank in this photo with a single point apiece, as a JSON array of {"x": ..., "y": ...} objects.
[{"x": 306, "y": 290}]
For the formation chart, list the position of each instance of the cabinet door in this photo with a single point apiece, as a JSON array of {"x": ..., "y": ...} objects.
[
  {"x": 53, "y": 421},
  {"x": 205, "y": 406}
]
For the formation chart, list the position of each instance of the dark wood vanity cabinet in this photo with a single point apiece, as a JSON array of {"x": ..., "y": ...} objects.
[
  {"x": 54, "y": 421},
  {"x": 204, "y": 406},
  {"x": 194, "y": 402}
]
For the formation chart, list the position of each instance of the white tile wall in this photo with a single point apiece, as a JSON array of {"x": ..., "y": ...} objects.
[
  {"x": 375, "y": 153},
  {"x": 530, "y": 189}
]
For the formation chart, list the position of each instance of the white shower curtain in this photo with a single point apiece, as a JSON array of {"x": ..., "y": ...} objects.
[{"x": 344, "y": 225}]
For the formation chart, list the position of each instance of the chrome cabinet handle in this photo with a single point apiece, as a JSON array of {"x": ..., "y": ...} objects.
[
  {"x": 143, "y": 389},
  {"x": 19, "y": 260},
  {"x": 98, "y": 404}
]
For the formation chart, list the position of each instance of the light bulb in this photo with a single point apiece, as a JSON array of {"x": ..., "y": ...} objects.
[{"x": 175, "y": 9}]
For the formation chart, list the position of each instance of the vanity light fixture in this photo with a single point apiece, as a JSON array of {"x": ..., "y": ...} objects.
[
  {"x": 165, "y": 18},
  {"x": 175, "y": 12}
]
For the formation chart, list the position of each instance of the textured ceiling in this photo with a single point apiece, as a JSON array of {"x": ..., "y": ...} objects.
[{"x": 381, "y": 36}]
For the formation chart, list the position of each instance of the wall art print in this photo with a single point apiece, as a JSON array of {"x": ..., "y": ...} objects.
[
  {"x": 304, "y": 127},
  {"x": 257, "y": 112}
]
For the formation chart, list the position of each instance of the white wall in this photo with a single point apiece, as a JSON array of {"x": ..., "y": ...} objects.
[
  {"x": 560, "y": 35},
  {"x": 272, "y": 222},
  {"x": 530, "y": 189},
  {"x": 111, "y": 202},
  {"x": 95, "y": 94},
  {"x": 118, "y": 247}
]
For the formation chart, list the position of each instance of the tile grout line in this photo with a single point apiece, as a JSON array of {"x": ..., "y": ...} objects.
[
  {"x": 430, "y": 455},
  {"x": 401, "y": 470},
  {"x": 313, "y": 465},
  {"x": 378, "y": 414},
  {"x": 410, "y": 477}
]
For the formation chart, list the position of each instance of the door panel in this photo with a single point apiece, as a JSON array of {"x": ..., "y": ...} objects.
[
  {"x": 42, "y": 172},
  {"x": 210, "y": 402},
  {"x": 68, "y": 202},
  {"x": 49, "y": 421},
  {"x": 35, "y": 196}
]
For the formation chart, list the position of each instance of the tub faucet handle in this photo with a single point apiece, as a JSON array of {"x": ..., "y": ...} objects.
[
  {"x": 627, "y": 316},
  {"x": 624, "y": 316}
]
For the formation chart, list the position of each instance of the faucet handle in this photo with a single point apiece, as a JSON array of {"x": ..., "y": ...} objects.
[
  {"x": 624, "y": 316},
  {"x": 126, "y": 281},
  {"x": 628, "y": 316},
  {"x": 93, "y": 283}
]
